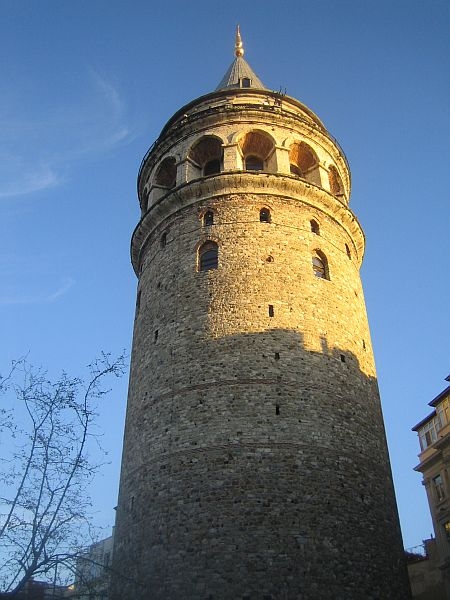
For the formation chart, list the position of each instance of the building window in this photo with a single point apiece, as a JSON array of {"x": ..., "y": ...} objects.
[
  {"x": 264, "y": 215},
  {"x": 320, "y": 265},
  {"x": 428, "y": 433},
  {"x": 245, "y": 81},
  {"x": 447, "y": 530},
  {"x": 347, "y": 249},
  {"x": 315, "y": 227},
  {"x": 253, "y": 163},
  {"x": 439, "y": 487},
  {"x": 163, "y": 240},
  {"x": 208, "y": 218},
  {"x": 211, "y": 167},
  {"x": 208, "y": 256},
  {"x": 442, "y": 413}
]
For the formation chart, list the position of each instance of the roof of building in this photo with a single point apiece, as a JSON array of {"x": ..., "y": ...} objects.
[
  {"x": 444, "y": 394},
  {"x": 239, "y": 70}
]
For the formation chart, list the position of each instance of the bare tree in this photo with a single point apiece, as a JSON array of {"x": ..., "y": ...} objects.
[{"x": 44, "y": 501}]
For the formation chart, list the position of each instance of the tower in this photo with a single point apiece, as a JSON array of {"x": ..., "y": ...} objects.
[{"x": 255, "y": 464}]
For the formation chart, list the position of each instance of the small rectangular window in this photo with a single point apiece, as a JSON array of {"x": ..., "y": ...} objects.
[{"x": 271, "y": 311}]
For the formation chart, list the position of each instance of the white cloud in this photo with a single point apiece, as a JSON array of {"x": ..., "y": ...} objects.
[
  {"x": 39, "y": 298},
  {"x": 27, "y": 182},
  {"x": 42, "y": 141}
]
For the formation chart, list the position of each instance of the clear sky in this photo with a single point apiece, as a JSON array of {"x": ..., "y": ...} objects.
[{"x": 86, "y": 87}]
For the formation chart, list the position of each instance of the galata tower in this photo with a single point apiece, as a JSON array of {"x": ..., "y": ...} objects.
[{"x": 255, "y": 464}]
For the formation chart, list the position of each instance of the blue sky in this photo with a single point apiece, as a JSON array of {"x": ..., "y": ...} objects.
[{"x": 86, "y": 87}]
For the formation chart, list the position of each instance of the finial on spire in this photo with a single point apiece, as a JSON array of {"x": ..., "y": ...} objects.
[{"x": 238, "y": 45}]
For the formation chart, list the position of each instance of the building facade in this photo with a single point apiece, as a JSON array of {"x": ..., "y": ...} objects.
[
  {"x": 434, "y": 439},
  {"x": 255, "y": 463},
  {"x": 93, "y": 571}
]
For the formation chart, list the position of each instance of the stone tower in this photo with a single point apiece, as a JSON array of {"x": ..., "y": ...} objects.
[{"x": 255, "y": 463}]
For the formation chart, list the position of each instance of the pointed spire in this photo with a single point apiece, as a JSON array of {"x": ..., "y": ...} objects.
[
  {"x": 238, "y": 45},
  {"x": 240, "y": 73}
]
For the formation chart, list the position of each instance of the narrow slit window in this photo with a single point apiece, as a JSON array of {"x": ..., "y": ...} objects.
[
  {"x": 163, "y": 240},
  {"x": 271, "y": 311},
  {"x": 264, "y": 215},
  {"x": 349, "y": 254},
  {"x": 156, "y": 335},
  {"x": 315, "y": 227},
  {"x": 208, "y": 218},
  {"x": 277, "y": 409}
]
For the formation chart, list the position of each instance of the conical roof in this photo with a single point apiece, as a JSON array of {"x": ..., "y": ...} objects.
[{"x": 240, "y": 74}]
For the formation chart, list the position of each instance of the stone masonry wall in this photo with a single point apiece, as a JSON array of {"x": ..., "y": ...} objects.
[
  {"x": 255, "y": 464},
  {"x": 255, "y": 461}
]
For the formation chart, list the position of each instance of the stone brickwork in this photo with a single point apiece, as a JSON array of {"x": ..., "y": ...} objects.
[{"x": 255, "y": 464}]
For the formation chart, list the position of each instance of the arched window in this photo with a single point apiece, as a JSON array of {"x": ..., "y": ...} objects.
[
  {"x": 204, "y": 157},
  {"x": 212, "y": 167},
  {"x": 315, "y": 227},
  {"x": 335, "y": 181},
  {"x": 304, "y": 162},
  {"x": 208, "y": 218},
  {"x": 257, "y": 149},
  {"x": 320, "y": 265},
  {"x": 264, "y": 215},
  {"x": 167, "y": 173},
  {"x": 253, "y": 163},
  {"x": 208, "y": 256}
]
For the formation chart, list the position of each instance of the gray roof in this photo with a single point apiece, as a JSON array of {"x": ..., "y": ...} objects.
[{"x": 239, "y": 70}]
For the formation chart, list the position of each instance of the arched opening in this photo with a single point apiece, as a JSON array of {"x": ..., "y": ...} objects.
[
  {"x": 264, "y": 215},
  {"x": 335, "y": 181},
  {"x": 208, "y": 256},
  {"x": 258, "y": 152},
  {"x": 205, "y": 157},
  {"x": 320, "y": 265},
  {"x": 304, "y": 162},
  {"x": 166, "y": 175}
]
